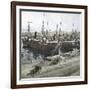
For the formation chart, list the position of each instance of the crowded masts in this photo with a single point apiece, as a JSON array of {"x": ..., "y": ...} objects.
[{"x": 58, "y": 28}]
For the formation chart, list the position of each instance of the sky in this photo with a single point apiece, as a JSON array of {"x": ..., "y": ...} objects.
[{"x": 69, "y": 21}]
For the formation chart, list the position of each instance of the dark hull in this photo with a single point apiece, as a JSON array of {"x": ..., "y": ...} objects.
[
  {"x": 50, "y": 48},
  {"x": 37, "y": 47}
]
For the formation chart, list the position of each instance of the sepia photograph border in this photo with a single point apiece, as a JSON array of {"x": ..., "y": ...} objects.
[{"x": 14, "y": 44}]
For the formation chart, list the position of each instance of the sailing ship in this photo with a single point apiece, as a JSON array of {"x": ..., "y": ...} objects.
[{"x": 46, "y": 44}]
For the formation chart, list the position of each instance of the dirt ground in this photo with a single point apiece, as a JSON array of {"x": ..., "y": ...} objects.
[{"x": 68, "y": 66}]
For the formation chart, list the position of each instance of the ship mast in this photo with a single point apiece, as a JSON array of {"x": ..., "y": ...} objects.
[
  {"x": 42, "y": 31},
  {"x": 56, "y": 29},
  {"x": 60, "y": 28},
  {"x": 29, "y": 28},
  {"x": 73, "y": 27},
  {"x": 47, "y": 28}
]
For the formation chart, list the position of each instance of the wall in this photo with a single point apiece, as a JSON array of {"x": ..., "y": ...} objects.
[{"x": 5, "y": 44}]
